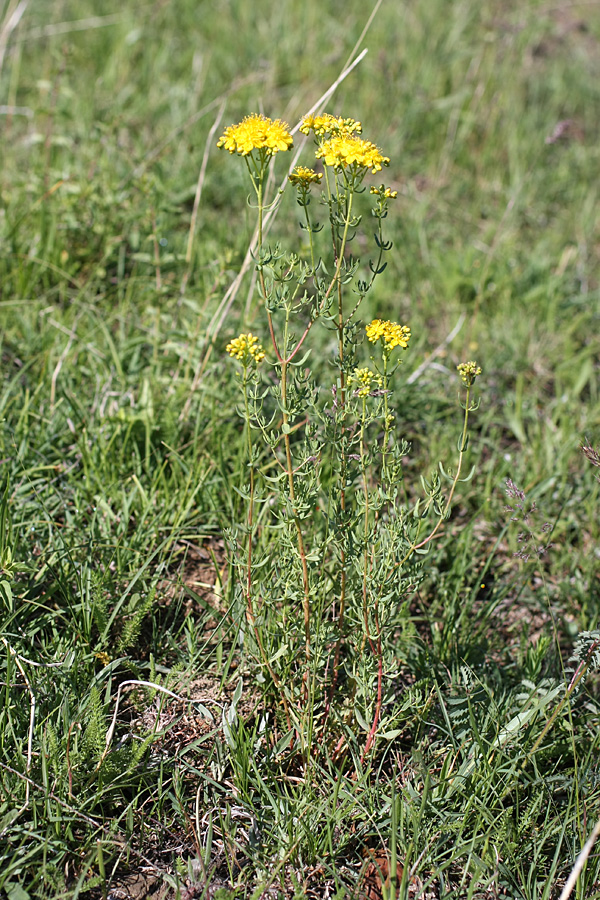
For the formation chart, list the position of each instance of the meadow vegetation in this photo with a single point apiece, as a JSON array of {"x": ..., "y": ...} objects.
[{"x": 290, "y": 606}]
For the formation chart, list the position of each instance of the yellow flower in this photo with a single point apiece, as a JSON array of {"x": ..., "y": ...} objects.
[
  {"x": 384, "y": 193},
  {"x": 256, "y": 132},
  {"x": 103, "y": 657},
  {"x": 328, "y": 124},
  {"x": 343, "y": 150},
  {"x": 364, "y": 381},
  {"x": 246, "y": 348},
  {"x": 392, "y": 334},
  {"x": 469, "y": 371},
  {"x": 303, "y": 177}
]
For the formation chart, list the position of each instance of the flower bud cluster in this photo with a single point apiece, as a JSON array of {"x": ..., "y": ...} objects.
[
  {"x": 246, "y": 349},
  {"x": 468, "y": 372},
  {"x": 303, "y": 176},
  {"x": 364, "y": 381}
]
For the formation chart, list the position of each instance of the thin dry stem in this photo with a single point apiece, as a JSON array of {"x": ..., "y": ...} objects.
[
  {"x": 32, "y": 705},
  {"x": 139, "y": 683},
  {"x": 580, "y": 863},
  {"x": 13, "y": 16},
  {"x": 455, "y": 481},
  {"x": 198, "y": 195}
]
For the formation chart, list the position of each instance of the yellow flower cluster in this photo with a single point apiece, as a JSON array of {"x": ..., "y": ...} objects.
[
  {"x": 384, "y": 193},
  {"x": 103, "y": 657},
  {"x": 302, "y": 176},
  {"x": 328, "y": 124},
  {"x": 469, "y": 371},
  {"x": 344, "y": 150},
  {"x": 364, "y": 381},
  {"x": 392, "y": 334},
  {"x": 256, "y": 132},
  {"x": 246, "y": 348}
]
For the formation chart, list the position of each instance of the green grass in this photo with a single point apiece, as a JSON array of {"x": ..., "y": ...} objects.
[{"x": 119, "y": 460}]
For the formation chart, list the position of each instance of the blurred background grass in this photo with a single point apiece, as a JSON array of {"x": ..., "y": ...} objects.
[
  {"x": 493, "y": 221},
  {"x": 489, "y": 112}
]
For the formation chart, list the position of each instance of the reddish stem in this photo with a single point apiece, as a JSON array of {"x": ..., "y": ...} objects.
[{"x": 375, "y": 724}]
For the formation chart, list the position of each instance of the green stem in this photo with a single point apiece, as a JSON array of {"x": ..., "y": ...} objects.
[
  {"x": 343, "y": 455},
  {"x": 259, "y": 195},
  {"x": 300, "y": 537},
  {"x": 310, "y": 234},
  {"x": 251, "y": 499},
  {"x": 432, "y": 534},
  {"x": 335, "y": 279},
  {"x": 363, "y": 466},
  {"x": 286, "y": 436},
  {"x": 250, "y": 614},
  {"x": 376, "y": 647},
  {"x": 386, "y": 422}
]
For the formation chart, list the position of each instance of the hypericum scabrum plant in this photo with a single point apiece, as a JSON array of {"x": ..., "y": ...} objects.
[{"x": 331, "y": 549}]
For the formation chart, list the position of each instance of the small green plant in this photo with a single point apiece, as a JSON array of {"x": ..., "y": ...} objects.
[{"x": 334, "y": 539}]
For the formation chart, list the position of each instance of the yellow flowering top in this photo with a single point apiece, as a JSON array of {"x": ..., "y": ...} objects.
[
  {"x": 469, "y": 371},
  {"x": 256, "y": 132},
  {"x": 302, "y": 176},
  {"x": 246, "y": 348},
  {"x": 103, "y": 657},
  {"x": 344, "y": 150},
  {"x": 384, "y": 193},
  {"x": 364, "y": 381},
  {"x": 328, "y": 124},
  {"x": 392, "y": 334}
]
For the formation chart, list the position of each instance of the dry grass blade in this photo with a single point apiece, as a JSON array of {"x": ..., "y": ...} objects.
[
  {"x": 199, "y": 186},
  {"x": 30, "y": 733},
  {"x": 74, "y": 25},
  {"x": 13, "y": 16},
  {"x": 580, "y": 862},
  {"x": 156, "y": 687}
]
